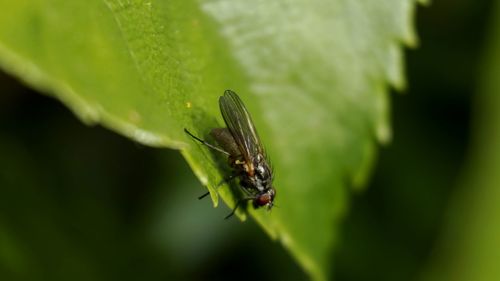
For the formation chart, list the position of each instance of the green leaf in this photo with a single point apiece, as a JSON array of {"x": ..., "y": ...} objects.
[{"x": 314, "y": 74}]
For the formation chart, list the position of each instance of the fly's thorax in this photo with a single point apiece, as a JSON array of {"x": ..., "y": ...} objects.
[
  {"x": 262, "y": 168},
  {"x": 262, "y": 175},
  {"x": 258, "y": 181}
]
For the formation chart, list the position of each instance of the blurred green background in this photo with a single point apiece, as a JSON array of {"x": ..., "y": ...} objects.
[{"x": 82, "y": 203}]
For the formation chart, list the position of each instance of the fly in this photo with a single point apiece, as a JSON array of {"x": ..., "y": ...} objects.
[{"x": 246, "y": 156}]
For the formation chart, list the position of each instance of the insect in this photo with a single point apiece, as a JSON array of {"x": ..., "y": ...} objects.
[{"x": 246, "y": 156}]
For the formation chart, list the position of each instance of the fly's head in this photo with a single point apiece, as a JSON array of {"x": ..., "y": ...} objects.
[{"x": 265, "y": 198}]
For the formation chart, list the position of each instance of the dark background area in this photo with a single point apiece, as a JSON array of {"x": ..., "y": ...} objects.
[
  {"x": 82, "y": 203},
  {"x": 392, "y": 228}
]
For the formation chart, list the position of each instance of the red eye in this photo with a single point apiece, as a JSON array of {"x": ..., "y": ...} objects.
[{"x": 263, "y": 199}]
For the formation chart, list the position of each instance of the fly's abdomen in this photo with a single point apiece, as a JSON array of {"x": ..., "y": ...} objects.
[{"x": 224, "y": 138}]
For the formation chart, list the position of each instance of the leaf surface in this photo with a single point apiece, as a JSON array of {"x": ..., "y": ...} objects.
[{"x": 314, "y": 75}]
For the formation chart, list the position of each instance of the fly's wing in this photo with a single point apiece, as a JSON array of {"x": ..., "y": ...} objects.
[{"x": 240, "y": 125}]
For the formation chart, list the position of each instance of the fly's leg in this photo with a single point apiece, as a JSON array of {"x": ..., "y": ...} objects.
[
  {"x": 214, "y": 148},
  {"x": 244, "y": 200},
  {"x": 206, "y": 143},
  {"x": 204, "y": 195},
  {"x": 228, "y": 179},
  {"x": 224, "y": 180}
]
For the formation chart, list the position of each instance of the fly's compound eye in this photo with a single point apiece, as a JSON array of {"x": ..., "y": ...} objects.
[{"x": 263, "y": 199}]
